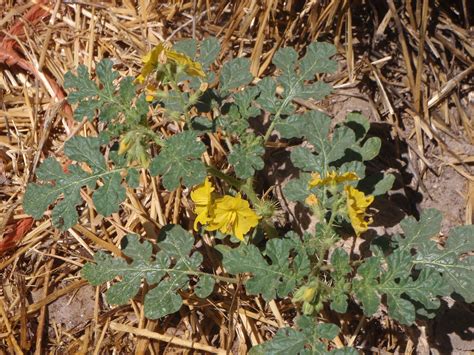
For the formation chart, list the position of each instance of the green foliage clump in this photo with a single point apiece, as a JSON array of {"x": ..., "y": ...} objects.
[{"x": 410, "y": 272}]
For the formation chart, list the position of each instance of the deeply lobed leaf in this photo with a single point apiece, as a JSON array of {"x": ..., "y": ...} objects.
[
  {"x": 57, "y": 183},
  {"x": 179, "y": 160},
  {"x": 169, "y": 270}
]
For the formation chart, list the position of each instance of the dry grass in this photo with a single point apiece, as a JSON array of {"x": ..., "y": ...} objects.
[{"x": 412, "y": 61}]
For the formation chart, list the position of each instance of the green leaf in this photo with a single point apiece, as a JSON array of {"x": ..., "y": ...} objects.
[
  {"x": 103, "y": 269},
  {"x": 239, "y": 112},
  {"x": 455, "y": 267},
  {"x": 297, "y": 190},
  {"x": 267, "y": 99},
  {"x": 306, "y": 340},
  {"x": 377, "y": 184},
  {"x": 442, "y": 271},
  {"x": 133, "y": 178},
  {"x": 292, "y": 127},
  {"x": 343, "y": 139},
  {"x": 235, "y": 73},
  {"x": 87, "y": 109},
  {"x": 370, "y": 149},
  {"x": 87, "y": 150},
  {"x": 278, "y": 278},
  {"x": 85, "y": 87},
  {"x": 164, "y": 299},
  {"x": 127, "y": 89},
  {"x": 244, "y": 101},
  {"x": 315, "y": 91},
  {"x": 293, "y": 80},
  {"x": 358, "y": 123},
  {"x": 57, "y": 183},
  {"x": 353, "y": 166},
  {"x": 169, "y": 270},
  {"x": 314, "y": 125},
  {"x": 417, "y": 233},
  {"x": 340, "y": 263},
  {"x": 50, "y": 169},
  {"x": 345, "y": 351},
  {"x": 246, "y": 160},
  {"x": 111, "y": 101},
  {"x": 286, "y": 341},
  {"x": 180, "y": 160},
  {"x": 317, "y": 60},
  {"x": 106, "y": 75},
  {"x": 363, "y": 286},
  {"x": 107, "y": 113},
  {"x": 339, "y": 297},
  {"x": 175, "y": 102},
  {"x": 108, "y": 197},
  {"x": 205, "y": 286},
  {"x": 186, "y": 46},
  {"x": 285, "y": 59},
  {"x": 209, "y": 50},
  {"x": 303, "y": 158}
]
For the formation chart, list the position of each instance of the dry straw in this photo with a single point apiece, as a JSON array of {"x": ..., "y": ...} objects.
[{"x": 412, "y": 65}]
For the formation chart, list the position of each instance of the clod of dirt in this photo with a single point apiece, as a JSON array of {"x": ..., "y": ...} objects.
[{"x": 72, "y": 310}]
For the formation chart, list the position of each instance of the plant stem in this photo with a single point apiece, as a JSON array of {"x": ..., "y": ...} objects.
[
  {"x": 285, "y": 103},
  {"x": 237, "y": 184}
]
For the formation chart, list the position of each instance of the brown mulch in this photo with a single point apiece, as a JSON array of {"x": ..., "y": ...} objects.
[{"x": 407, "y": 65}]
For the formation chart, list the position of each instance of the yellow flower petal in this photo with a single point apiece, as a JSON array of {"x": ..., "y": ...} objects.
[
  {"x": 190, "y": 67},
  {"x": 315, "y": 180},
  {"x": 349, "y": 176},
  {"x": 160, "y": 54},
  {"x": 357, "y": 204},
  {"x": 202, "y": 198},
  {"x": 331, "y": 178}
]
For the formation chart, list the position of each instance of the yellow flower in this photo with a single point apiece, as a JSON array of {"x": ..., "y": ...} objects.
[
  {"x": 232, "y": 215},
  {"x": 357, "y": 204},
  {"x": 315, "y": 180},
  {"x": 331, "y": 178},
  {"x": 124, "y": 145},
  {"x": 190, "y": 66},
  {"x": 150, "y": 61},
  {"x": 160, "y": 54},
  {"x": 311, "y": 200},
  {"x": 202, "y": 197},
  {"x": 150, "y": 92}
]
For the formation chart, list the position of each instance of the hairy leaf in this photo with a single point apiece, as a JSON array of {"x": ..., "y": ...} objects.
[
  {"x": 246, "y": 160},
  {"x": 108, "y": 101},
  {"x": 209, "y": 50},
  {"x": 267, "y": 99},
  {"x": 57, "y": 183},
  {"x": 235, "y": 73},
  {"x": 299, "y": 341},
  {"x": 441, "y": 271},
  {"x": 294, "y": 73},
  {"x": 304, "y": 159},
  {"x": 455, "y": 268},
  {"x": 180, "y": 160},
  {"x": 297, "y": 189},
  {"x": 186, "y": 46},
  {"x": 278, "y": 278},
  {"x": 169, "y": 270}
]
